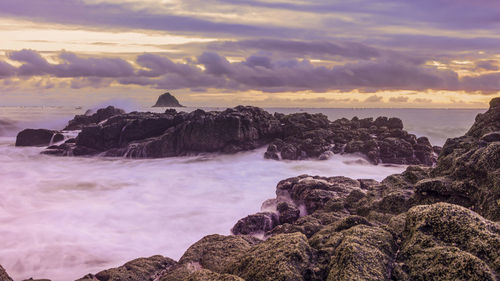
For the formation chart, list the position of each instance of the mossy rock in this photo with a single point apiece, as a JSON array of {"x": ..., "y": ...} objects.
[
  {"x": 448, "y": 225},
  {"x": 136, "y": 270},
  {"x": 215, "y": 252},
  {"x": 285, "y": 257},
  {"x": 207, "y": 275},
  {"x": 444, "y": 263},
  {"x": 361, "y": 252}
]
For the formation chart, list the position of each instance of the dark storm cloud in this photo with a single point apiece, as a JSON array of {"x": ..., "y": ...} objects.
[
  {"x": 6, "y": 69},
  {"x": 300, "y": 48},
  {"x": 256, "y": 72},
  {"x": 490, "y": 65},
  {"x": 71, "y": 65}
]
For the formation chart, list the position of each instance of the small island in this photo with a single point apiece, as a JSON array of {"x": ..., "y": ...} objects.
[{"x": 167, "y": 100}]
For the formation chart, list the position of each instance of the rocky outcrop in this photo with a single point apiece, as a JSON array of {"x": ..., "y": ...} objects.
[
  {"x": 153, "y": 135},
  {"x": 136, "y": 270},
  {"x": 167, "y": 100},
  {"x": 110, "y": 132},
  {"x": 382, "y": 140},
  {"x": 89, "y": 118},
  {"x": 38, "y": 137}
]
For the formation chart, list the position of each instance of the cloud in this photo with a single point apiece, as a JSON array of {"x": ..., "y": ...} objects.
[
  {"x": 422, "y": 100},
  {"x": 299, "y": 48},
  {"x": 6, "y": 69},
  {"x": 491, "y": 65},
  {"x": 71, "y": 65},
  {"x": 256, "y": 72},
  {"x": 374, "y": 98},
  {"x": 124, "y": 15},
  {"x": 398, "y": 99}
]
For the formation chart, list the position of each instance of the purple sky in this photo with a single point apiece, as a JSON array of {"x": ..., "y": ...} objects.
[{"x": 363, "y": 52}]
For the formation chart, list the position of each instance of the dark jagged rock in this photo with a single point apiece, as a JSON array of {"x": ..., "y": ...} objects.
[
  {"x": 3, "y": 275},
  {"x": 81, "y": 121},
  {"x": 137, "y": 270},
  {"x": 152, "y": 135},
  {"x": 38, "y": 137},
  {"x": 255, "y": 224},
  {"x": 111, "y": 132},
  {"x": 381, "y": 141},
  {"x": 167, "y": 100}
]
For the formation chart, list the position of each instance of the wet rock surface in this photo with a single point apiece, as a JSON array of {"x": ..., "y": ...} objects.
[
  {"x": 111, "y": 132},
  {"x": 38, "y": 137},
  {"x": 382, "y": 140}
]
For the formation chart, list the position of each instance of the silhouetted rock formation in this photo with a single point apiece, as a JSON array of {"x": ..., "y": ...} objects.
[
  {"x": 88, "y": 118},
  {"x": 167, "y": 100},
  {"x": 38, "y": 137},
  {"x": 295, "y": 136},
  {"x": 382, "y": 140}
]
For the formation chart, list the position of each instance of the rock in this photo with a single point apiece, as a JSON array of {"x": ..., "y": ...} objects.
[
  {"x": 207, "y": 275},
  {"x": 215, "y": 252},
  {"x": 3, "y": 275},
  {"x": 281, "y": 257},
  {"x": 490, "y": 137},
  {"x": 137, "y": 270},
  {"x": 38, "y": 137},
  {"x": 438, "y": 235},
  {"x": 360, "y": 252},
  {"x": 81, "y": 121},
  {"x": 255, "y": 224},
  {"x": 190, "y": 272},
  {"x": 288, "y": 213},
  {"x": 153, "y": 135},
  {"x": 167, "y": 100}
]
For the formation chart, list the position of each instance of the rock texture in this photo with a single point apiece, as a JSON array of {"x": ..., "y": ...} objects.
[
  {"x": 38, "y": 137},
  {"x": 382, "y": 140},
  {"x": 138, "y": 269},
  {"x": 90, "y": 118},
  {"x": 167, "y": 100},
  {"x": 110, "y": 132}
]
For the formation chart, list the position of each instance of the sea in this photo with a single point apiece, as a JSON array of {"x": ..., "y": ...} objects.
[{"x": 64, "y": 217}]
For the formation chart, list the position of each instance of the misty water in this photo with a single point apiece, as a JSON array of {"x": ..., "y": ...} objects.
[{"x": 61, "y": 218}]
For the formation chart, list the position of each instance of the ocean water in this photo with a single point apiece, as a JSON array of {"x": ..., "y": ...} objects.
[{"x": 61, "y": 218}]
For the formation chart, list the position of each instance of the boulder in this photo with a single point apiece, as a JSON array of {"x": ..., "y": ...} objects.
[
  {"x": 255, "y": 224},
  {"x": 137, "y": 270},
  {"x": 439, "y": 235},
  {"x": 38, "y": 137},
  {"x": 215, "y": 252},
  {"x": 281, "y": 257}
]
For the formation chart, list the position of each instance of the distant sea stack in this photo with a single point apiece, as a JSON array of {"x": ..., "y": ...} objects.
[{"x": 167, "y": 100}]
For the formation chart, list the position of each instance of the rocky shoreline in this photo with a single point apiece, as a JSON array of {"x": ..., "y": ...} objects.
[
  {"x": 435, "y": 221},
  {"x": 112, "y": 132}
]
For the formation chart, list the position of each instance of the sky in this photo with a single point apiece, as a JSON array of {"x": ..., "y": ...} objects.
[{"x": 316, "y": 53}]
